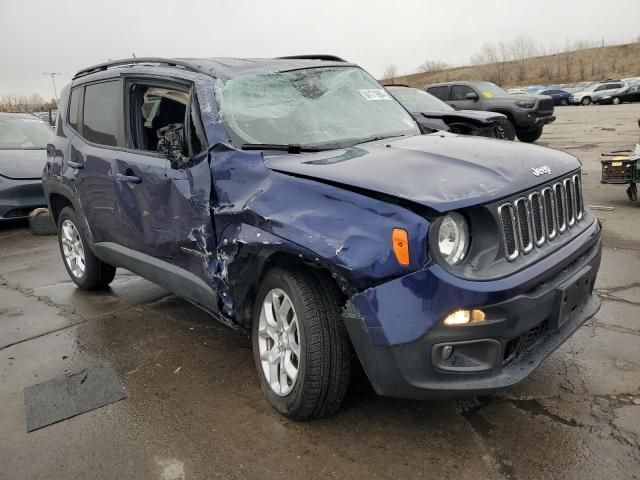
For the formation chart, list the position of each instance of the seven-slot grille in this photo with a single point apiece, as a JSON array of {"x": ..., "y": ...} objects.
[{"x": 539, "y": 216}]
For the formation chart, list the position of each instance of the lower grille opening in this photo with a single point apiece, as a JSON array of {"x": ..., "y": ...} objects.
[{"x": 524, "y": 342}]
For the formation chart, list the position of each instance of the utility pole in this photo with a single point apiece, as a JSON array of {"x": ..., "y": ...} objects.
[{"x": 53, "y": 80}]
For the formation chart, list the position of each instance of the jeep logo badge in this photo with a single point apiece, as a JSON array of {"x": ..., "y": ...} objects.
[{"x": 541, "y": 170}]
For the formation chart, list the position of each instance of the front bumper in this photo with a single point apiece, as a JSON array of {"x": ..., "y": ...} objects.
[
  {"x": 520, "y": 331},
  {"x": 19, "y": 197},
  {"x": 529, "y": 119}
]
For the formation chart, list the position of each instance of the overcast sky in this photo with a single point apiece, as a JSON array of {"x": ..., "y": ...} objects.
[{"x": 39, "y": 36}]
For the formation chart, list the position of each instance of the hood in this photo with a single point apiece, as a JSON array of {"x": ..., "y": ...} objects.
[
  {"x": 441, "y": 171},
  {"x": 22, "y": 164}
]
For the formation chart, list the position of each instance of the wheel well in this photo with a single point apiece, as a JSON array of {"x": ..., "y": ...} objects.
[
  {"x": 247, "y": 276},
  {"x": 58, "y": 202}
]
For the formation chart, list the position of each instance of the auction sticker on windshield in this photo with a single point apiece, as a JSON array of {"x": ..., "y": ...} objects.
[{"x": 373, "y": 94}]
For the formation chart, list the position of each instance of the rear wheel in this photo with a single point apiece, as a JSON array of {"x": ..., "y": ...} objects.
[
  {"x": 616, "y": 100},
  {"x": 85, "y": 269},
  {"x": 564, "y": 102},
  {"x": 529, "y": 136},
  {"x": 300, "y": 346},
  {"x": 586, "y": 101}
]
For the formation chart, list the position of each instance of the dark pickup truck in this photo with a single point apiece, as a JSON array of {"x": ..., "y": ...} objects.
[{"x": 526, "y": 114}]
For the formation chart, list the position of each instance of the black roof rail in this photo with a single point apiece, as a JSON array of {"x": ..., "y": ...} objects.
[
  {"x": 171, "y": 62},
  {"x": 396, "y": 85},
  {"x": 328, "y": 58}
]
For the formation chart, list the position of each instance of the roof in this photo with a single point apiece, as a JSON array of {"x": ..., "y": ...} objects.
[{"x": 223, "y": 67}]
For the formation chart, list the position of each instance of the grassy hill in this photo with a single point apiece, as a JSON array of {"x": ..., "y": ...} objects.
[{"x": 617, "y": 61}]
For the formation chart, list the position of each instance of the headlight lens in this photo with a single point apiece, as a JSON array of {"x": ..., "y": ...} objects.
[
  {"x": 526, "y": 103},
  {"x": 453, "y": 238}
]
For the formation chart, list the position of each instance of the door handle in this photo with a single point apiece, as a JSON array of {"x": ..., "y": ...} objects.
[
  {"x": 127, "y": 178},
  {"x": 76, "y": 165},
  {"x": 453, "y": 105}
]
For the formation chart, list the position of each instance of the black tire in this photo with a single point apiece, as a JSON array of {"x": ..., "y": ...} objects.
[
  {"x": 509, "y": 131},
  {"x": 97, "y": 274},
  {"x": 616, "y": 100},
  {"x": 586, "y": 101},
  {"x": 325, "y": 354},
  {"x": 564, "y": 102},
  {"x": 41, "y": 222},
  {"x": 529, "y": 136}
]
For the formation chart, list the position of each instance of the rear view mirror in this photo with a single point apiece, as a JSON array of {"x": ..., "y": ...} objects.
[
  {"x": 171, "y": 142},
  {"x": 471, "y": 96}
]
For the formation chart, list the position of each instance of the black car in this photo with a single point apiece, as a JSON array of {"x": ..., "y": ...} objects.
[
  {"x": 432, "y": 113},
  {"x": 629, "y": 94},
  {"x": 23, "y": 142},
  {"x": 526, "y": 114}
]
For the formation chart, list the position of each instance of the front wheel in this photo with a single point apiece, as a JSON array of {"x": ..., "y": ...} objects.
[
  {"x": 529, "y": 136},
  {"x": 85, "y": 269},
  {"x": 300, "y": 345},
  {"x": 564, "y": 102},
  {"x": 616, "y": 100},
  {"x": 507, "y": 131},
  {"x": 586, "y": 101}
]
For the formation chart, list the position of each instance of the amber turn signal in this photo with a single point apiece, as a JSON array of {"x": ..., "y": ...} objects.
[{"x": 400, "y": 241}]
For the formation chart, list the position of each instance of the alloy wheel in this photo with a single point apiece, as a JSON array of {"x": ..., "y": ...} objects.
[
  {"x": 279, "y": 342},
  {"x": 72, "y": 248}
]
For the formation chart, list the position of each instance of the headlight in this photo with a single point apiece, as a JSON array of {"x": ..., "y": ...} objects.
[
  {"x": 526, "y": 103},
  {"x": 453, "y": 238}
]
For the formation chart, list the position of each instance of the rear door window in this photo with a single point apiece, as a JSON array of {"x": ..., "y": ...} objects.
[
  {"x": 440, "y": 92},
  {"x": 101, "y": 114}
]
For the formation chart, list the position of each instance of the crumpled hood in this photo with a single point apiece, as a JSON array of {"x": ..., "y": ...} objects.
[
  {"x": 441, "y": 171},
  {"x": 22, "y": 164}
]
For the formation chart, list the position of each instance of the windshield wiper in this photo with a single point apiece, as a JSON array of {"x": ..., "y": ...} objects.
[
  {"x": 289, "y": 148},
  {"x": 373, "y": 139}
]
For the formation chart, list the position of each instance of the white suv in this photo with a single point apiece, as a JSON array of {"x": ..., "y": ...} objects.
[{"x": 594, "y": 91}]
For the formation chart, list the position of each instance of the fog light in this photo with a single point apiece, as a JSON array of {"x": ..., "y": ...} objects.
[
  {"x": 446, "y": 352},
  {"x": 460, "y": 317}
]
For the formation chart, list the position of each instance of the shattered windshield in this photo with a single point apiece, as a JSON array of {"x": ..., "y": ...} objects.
[
  {"x": 418, "y": 101},
  {"x": 317, "y": 106}
]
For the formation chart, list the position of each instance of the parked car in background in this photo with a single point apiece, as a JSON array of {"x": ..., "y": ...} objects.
[
  {"x": 517, "y": 91},
  {"x": 627, "y": 94},
  {"x": 586, "y": 96},
  {"x": 432, "y": 113},
  {"x": 560, "y": 97},
  {"x": 23, "y": 143},
  {"x": 295, "y": 200},
  {"x": 526, "y": 114}
]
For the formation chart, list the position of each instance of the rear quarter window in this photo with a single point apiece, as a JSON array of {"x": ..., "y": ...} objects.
[{"x": 74, "y": 107}]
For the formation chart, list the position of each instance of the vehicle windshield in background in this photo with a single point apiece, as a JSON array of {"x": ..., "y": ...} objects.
[
  {"x": 417, "y": 101},
  {"x": 314, "y": 107},
  {"x": 22, "y": 133},
  {"x": 490, "y": 90}
]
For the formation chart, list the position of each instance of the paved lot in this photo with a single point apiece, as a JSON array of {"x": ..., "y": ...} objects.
[{"x": 194, "y": 409}]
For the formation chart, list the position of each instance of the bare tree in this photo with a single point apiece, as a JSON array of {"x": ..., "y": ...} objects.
[
  {"x": 492, "y": 60},
  {"x": 390, "y": 73},
  {"x": 523, "y": 48},
  {"x": 432, "y": 66}
]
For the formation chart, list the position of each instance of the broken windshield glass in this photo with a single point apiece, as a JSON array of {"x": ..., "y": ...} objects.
[{"x": 318, "y": 106}]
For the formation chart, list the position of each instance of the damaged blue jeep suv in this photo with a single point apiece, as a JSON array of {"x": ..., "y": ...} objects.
[{"x": 295, "y": 200}]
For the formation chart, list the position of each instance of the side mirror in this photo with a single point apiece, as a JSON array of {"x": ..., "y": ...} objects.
[
  {"x": 471, "y": 96},
  {"x": 171, "y": 142}
]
